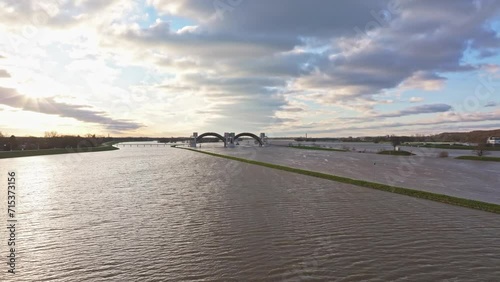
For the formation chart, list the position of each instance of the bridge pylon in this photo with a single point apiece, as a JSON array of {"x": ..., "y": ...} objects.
[{"x": 192, "y": 142}]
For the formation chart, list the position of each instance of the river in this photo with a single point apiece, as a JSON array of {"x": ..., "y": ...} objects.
[{"x": 165, "y": 214}]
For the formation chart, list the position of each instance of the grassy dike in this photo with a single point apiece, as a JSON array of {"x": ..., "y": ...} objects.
[
  {"x": 489, "y": 207},
  {"x": 316, "y": 148},
  {"x": 30, "y": 153},
  {"x": 476, "y": 158}
]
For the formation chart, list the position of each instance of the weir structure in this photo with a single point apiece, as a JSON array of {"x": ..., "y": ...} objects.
[{"x": 229, "y": 138}]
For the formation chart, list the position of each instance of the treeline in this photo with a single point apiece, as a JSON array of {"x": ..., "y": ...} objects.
[
  {"x": 12, "y": 142},
  {"x": 53, "y": 140},
  {"x": 458, "y": 137},
  {"x": 374, "y": 139},
  {"x": 173, "y": 139},
  {"x": 303, "y": 139},
  {"x": 477, "y": 136}
]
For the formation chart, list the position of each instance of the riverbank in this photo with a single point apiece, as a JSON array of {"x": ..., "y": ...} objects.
[
  {"x": 31, "y": 153},
  {"x": 457, "y": 201}
]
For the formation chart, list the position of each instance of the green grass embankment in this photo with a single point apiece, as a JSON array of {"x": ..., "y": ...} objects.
[
  {"x": 30, "y": 153},
  {"x": 316, "y": 148},
  {"x": 489, "y": 207},
  {"x": 476, "y": 158}
]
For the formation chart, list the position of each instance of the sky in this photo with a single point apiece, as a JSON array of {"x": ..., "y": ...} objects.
[{"x": 283, "y": 67}]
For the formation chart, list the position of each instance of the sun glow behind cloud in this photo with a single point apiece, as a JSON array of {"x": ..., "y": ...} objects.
[{"x": 169, "y": 68}]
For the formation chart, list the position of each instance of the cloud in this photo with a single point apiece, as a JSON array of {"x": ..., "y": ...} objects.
[
  {"x": 416, "y": 110},
  {"x": 12, "y": 98},
  {"x": 327, "y": 57},
  {"x": 203, "y": 44},
  {"x": 292, "y": 109},
  {"x": 491, "y": 104},
  {"x": 330, "y": 17},
  {"x": 4, "y": 73},
  {"x": 425, "y": 81},
  {"x": 416, "y": 99},
  {"x": 491, "y": 68},
  {"x": 56, "y": 14},
  {"x": 247, "y": 101},
  {"x": 451, "y": 120},
  {"x": 422, "y": 109},
  {"x": 410, "y": 51}
]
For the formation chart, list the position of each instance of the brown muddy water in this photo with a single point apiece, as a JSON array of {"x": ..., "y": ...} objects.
[{"x": 165, "y": 214}]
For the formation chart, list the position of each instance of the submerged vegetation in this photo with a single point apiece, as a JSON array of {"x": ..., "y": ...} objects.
[
  {"x": 316, "y": 148},
  {"x": 443, "y": 154},
  {"x": 396, "y": 153}
]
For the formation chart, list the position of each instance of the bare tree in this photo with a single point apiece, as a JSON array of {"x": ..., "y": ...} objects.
[
  {"x": 481, "y": 149},
  {"x": 395, "y": 141},
  {"x": 13, "y": 143},
  {"x": 51, "y": 134}
]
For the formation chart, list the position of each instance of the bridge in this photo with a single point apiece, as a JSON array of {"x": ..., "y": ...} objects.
[
  {"x": 229, "y": 138},
  {"x": 141, "y": 144}
]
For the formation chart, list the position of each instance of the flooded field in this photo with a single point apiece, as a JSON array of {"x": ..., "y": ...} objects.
[
  {"x": 462, "y": 178},
  {"x": 376, "y": 147}
]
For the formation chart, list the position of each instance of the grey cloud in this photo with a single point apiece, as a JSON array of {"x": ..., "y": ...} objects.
[
  {"x": 416, "y": 110},
  {"x": 452, "y": 120},
  {"x": 277, "y": 120},
  {"x": 322, "y": 18},
  {"x": 292, "y": 109},
  {"x": 231, "y": 88},
  {"x": 250, "y": 101},
  {"x": 205, "y": 80},
  {"x": 415, "y": 42},
  {"x": 280, "y": 65},
  {"x": 255, "y": 38},
  {"x": 251, "y": 113},
  {"x": 202, "y": 112},
  {"x": 12, "y": 98},
  {"x": 177, "y": 88},
  {"x": 422, "y": 109},
  {"x": 208, "y": 45},
  {"x": 491, "y": 104},
  {"x": 4, "y": 73},
  {"x": 256, "y": 28}
]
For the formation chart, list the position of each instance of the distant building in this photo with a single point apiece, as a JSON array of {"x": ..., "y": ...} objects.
[{"x": 493, "y": 140}]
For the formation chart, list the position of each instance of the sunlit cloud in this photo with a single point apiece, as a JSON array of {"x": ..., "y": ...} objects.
[
  {"x": 4, "y": 73},
  {"x": 416, "y": 99},
  {"x": 11, "y": 98}
]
